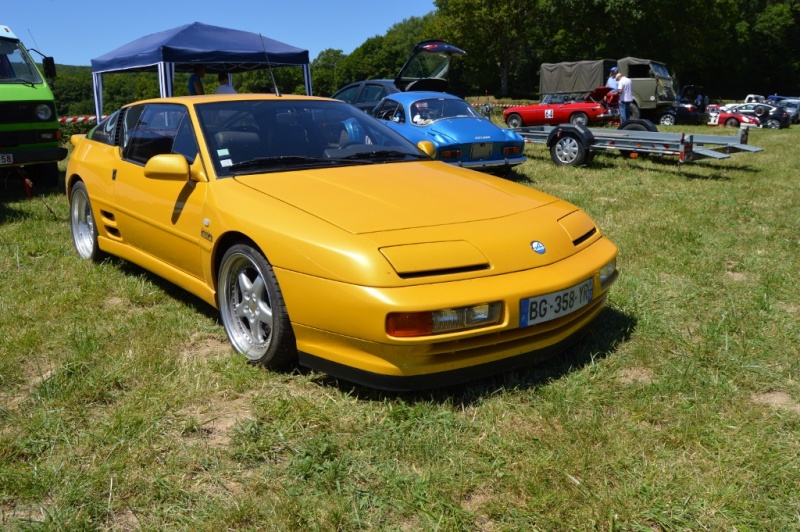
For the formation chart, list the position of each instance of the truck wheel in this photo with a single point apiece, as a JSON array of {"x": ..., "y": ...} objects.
[
  {"x": 514, "y": 121},
  {"x": 580, "y": 119},
  {"x": 568, "y": 151},
  {"x": 43, "y": 175}
]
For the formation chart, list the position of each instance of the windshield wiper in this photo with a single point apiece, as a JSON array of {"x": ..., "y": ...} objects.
[
  {"x": 278, "y": 160},
  {"x": 382, "y": 154}
]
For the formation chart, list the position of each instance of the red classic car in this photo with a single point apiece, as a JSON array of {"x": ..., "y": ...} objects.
[{"x": 562, "y": 108}]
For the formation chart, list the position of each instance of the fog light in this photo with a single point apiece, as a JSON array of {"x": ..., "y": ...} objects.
[{"x": 410, "y": 324}]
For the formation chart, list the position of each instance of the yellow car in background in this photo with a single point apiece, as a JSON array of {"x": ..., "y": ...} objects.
[{"x": 324, "y": 237}]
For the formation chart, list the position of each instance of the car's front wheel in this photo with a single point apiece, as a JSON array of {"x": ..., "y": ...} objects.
[
  {"x": 82, "y": 224},
  {"x": 252, "y": 308},
  {"x": 514, "y": 121}
]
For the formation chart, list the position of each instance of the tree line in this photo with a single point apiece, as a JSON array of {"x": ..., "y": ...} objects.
[{"x": 730, "y": 47}]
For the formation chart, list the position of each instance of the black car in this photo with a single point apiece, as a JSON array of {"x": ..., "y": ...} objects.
[
  {"x": 690, "y": 108},
  {"x": 425, "y": 70},
  {"x": 770, "y": 116}
]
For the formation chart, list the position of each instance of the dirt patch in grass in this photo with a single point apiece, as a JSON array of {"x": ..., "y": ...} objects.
[
  {"x": 636, "y": 376},
  {"x": 777, "y": 400}
]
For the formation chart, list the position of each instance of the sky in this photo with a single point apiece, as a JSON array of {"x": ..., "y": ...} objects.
[{"x": 76, "y": 31}]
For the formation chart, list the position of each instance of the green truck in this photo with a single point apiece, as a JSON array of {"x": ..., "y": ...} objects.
[{"x": 30, "y": 137}]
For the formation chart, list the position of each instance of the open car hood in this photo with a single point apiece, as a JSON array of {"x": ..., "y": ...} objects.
[{"x": 427, "y": 68}]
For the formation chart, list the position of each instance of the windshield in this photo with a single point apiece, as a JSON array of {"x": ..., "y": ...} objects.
[
  {"x": 258, "y": 136},
  {"x": 428, "y": 110},
  {"x": 15, "y": 64}
]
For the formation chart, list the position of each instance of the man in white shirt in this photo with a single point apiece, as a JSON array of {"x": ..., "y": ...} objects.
[
  {"x": 625, "y": 97},
  {"x": 224, "y": 87}
]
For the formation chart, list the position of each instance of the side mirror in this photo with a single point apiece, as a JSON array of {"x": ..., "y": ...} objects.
[
  {"x": 428, "y": 147},
  {"x": 49, "y": 65},
  {"x": 172, "y": 166}
]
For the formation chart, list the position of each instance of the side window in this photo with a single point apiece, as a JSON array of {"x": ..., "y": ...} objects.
[
  {"x": 347, "y": 95},
  {"x": 105, "y": 131},
  {"x": 371, "y": 93},
  {"x": 155, "y": 133}
]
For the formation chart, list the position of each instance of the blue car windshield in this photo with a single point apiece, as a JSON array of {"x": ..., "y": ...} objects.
[
  {"x": 428, "y": 110},
  {"x": 247, "y": 136}
]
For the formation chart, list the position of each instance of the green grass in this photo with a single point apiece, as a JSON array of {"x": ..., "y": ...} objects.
[{"x": 122, "y": 407}]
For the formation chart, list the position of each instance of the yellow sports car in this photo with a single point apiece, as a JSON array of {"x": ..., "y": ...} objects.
[{"x": 324, "y": 237}]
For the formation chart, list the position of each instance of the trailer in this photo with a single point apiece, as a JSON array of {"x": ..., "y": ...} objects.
[{"x": 572, "y": 144}]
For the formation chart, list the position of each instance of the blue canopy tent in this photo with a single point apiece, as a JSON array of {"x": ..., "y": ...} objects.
[{"x": 181, "y": 48}]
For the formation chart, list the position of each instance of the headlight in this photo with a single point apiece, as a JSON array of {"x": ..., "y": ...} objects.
[
  {"x": 607, "y": 272},
  {"x": 43, "y": 112},
  {"x": 410, "y": 324}
]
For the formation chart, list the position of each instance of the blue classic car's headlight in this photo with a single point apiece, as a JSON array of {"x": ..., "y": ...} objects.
[{"x": 410, "y": 324}]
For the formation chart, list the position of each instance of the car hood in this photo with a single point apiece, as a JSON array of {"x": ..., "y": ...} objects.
[
  {"x": 468, "y": 130},
  {"x": 397, "y": 196}
]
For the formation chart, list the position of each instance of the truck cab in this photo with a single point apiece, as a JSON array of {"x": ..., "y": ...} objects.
[
  {"x": 652, "y": 86},
  {"x": 30, "y": 137}
]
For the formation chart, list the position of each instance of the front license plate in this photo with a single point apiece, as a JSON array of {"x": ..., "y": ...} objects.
[
  {"x": 481, "y": 150},
  {"x": 6, "y": 158},
  {"x": 548, "y": 307}
]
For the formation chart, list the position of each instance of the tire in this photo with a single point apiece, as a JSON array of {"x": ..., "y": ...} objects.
[
  {"x": 579, "y": 119},
  {"x": 568, "y": 151},
  {"x": 252, "y": 308},
  {"x": 634, "y": 111},
  {"x": 773, "y": 123},
  {"x": 44, "y": 175},
  {"x": 514, "y": 121},
  {"x": 731, "y": 122},
  {"x": 667, "y": 119},
  {"x": 82, "y": 224}
]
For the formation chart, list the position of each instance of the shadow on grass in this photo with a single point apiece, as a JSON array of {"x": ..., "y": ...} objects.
[{"x": 599, "y": 341}]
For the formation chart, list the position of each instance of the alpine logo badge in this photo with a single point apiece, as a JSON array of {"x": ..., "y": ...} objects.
[{"x": 538, "y": 247}]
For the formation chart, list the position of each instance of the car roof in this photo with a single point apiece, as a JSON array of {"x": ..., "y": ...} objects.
[{"x": 407, "y": 98}]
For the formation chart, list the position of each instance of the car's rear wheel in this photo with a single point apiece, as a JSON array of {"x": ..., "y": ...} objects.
[
  {"x": 731, "y": 122},
  {"x": 579, "y": 119},
  {"x": 82, "y": 224},
  {"x": 568, "y": 151},
  {"x": 773, "y": 123},
  {"x": 252, "y": 308},
  {"x": 514, "y": 121},
  {"x": 667, "y": 119}
]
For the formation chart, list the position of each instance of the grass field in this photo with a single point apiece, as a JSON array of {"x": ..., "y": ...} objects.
[{"x": 122, "y": 406}]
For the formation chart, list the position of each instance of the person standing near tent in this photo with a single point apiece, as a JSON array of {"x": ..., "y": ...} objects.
[
  {"x": 224, "y": 87},
  {"x": 196, "y": 80}
]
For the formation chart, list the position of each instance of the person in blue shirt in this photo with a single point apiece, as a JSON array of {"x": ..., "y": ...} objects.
[{"x": 195, "y": 85}]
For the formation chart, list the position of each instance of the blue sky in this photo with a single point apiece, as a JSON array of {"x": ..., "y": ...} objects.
[{"x": 76, "y": 31}]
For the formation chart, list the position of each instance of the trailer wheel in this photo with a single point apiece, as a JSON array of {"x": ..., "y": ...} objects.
[
  {"x": 514, "y": 121},
  {"x": 568, "y": 151}
]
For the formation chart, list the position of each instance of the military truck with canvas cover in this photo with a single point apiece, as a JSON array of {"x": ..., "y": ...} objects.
[
  {"x": 652, "y": 86},
  {"x": 30, "y": 138}
]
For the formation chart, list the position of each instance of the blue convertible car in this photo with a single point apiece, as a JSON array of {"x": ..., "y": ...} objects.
[{"x": 459, "y": 134}]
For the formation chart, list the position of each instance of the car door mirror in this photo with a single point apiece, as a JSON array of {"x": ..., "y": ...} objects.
[{"x": 170, "y": 166}]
